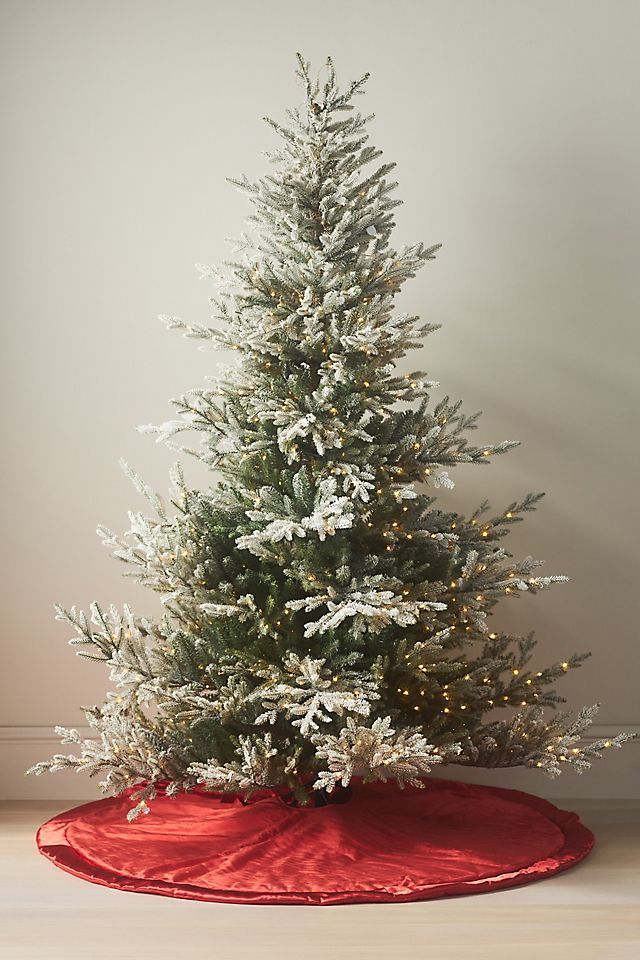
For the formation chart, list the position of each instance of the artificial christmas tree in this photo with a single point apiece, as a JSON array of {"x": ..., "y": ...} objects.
[{"x": 326, "y": 622}]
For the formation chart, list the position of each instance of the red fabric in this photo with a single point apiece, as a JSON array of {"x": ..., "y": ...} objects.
[{"x": 383, "y": 844}]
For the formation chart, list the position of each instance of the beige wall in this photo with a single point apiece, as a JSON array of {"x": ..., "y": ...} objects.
[{"x": 516, "y": 131}]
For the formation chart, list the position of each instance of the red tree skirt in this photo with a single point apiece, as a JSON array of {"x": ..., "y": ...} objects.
[{"x": 383, "y": 844}]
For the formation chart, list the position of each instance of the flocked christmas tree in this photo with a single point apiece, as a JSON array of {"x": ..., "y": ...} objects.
[{"x": 324, "y": 617}]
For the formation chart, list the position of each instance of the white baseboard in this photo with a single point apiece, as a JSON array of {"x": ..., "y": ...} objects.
[{"x": 615, "y": 777}]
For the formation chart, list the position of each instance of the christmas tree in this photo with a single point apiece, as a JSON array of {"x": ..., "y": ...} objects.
[{"x": 324, "y": 618}]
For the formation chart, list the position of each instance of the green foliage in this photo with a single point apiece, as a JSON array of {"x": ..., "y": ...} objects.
[{"x": 323, "y": 614}]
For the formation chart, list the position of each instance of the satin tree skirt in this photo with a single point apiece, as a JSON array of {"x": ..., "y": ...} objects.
[{"x": 383, "y": 844}]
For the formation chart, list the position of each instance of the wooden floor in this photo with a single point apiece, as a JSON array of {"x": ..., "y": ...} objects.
[{"x": 589, "y": 913}]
